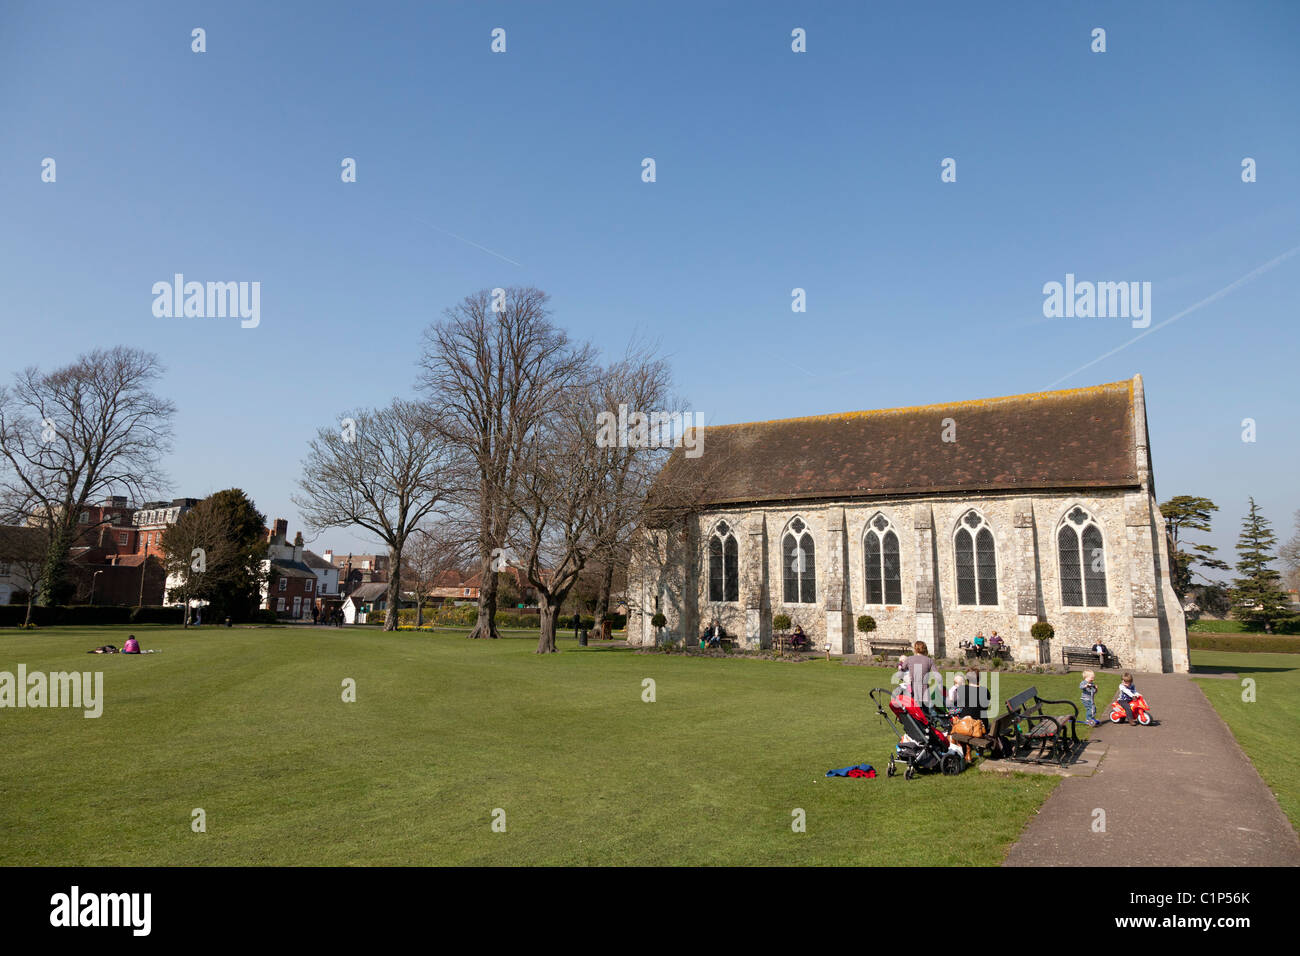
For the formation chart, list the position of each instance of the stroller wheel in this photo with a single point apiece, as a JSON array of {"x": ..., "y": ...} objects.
[
  {"x": 909, "y": 773},
  {"x": 951, "y": 764},
  {"x": 891, "y": 769}
]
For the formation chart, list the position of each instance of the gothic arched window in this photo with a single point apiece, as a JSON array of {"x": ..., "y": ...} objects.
[
  {"x": 724, "y": 565},
  {"x": 977, "y": 565},
  {"x": 799, "y": 559},
  {"x": 1081, "y": 554},
  {"x": 884, "y": 569}
]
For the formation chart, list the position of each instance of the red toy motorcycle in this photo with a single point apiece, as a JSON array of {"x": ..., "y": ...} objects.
[{"x": 1141, "y": 712}]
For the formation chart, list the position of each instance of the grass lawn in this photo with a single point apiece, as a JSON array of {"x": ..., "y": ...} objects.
[
  {"x": 1265, "y": 728},
  {"x": 249, "y": 725}
]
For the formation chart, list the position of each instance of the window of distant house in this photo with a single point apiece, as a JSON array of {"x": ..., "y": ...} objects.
[
  {"x": 4, "y": 569},
  {"x": 84, "y": 517},
  {"x": 121, "y": 538},
  {"x": 306, "y": 586},
  {"x": 884, "y": 569},
  {"x": 799, "y": 562},
  {"x": 279, "y": 604},
  {"x": 724, "y": 564},
  {"x": 977, "y": 566},
  {"x": 1081, "y": 554},
  {"x": 284, "y": 583}
]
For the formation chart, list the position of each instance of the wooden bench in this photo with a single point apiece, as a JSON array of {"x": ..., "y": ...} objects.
[
  {"x": 894, "y": 647},
  {"x": 1085, "y": 655},
  {"x": 1037, "y": 736}
]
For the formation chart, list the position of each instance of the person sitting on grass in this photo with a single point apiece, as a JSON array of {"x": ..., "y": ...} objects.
[{"x": 132, "y": 646}]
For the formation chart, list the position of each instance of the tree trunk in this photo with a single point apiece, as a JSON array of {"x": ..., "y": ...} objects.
[
  {"x": 548, "y": 613},
  {"x": 394, "y": 588},
  {"x": 27, "y": 622},
  {"x": 602, "y": 598},
  {"x": 419, "y": 609},
  {"x": 52, "y": 571},
  {"x": 486, "y": 626}
]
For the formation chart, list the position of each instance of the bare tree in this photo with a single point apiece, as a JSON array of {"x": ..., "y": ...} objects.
[
  {"x": 80, "y": 432},
  {"x": 383, "y": 470},
  {"x": 554, "y": 503},
  {"x": 23, "y": 550},
  {"x": 493, "y": 371},
  {"x": 430, "y": 554},
  {"x": 638, "y": 384}
]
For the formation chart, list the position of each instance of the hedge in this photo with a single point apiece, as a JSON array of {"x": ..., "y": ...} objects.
[
  {"x": 1244, "y": 643},
  {"x": 88, "y": 615}
]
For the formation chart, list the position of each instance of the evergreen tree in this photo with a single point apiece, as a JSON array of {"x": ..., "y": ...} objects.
[
  {"x": 1181, "y": 513},
  {"x": 1257, "y": 599}
]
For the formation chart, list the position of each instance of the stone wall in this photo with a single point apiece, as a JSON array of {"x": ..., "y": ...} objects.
[{"x": 1141, "y": 621}]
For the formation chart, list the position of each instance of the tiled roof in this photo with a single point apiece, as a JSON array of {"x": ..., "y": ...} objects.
[{"x": 1078, "y": 438}]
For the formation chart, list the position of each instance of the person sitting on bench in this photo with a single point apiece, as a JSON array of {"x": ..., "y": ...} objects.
[
  {"x": 956, "y": 697},
  {"x": 798, "y": 640},
  {"x": 995, "y": 643},
  {"x": 979, "y": 643},
  {"x": 713, "y": 634},
  {"x": 1101, "y": 651}
]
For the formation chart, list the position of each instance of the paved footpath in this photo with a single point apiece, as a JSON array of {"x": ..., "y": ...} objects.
[{"x": 1177, "y": 793}]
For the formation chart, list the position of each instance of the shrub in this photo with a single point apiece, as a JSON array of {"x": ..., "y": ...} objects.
[
  {"x": 174, "y": 616},
  {"x": 1246, "y": 643},
  {"x": 1042, "y": 631},
  {"x": 866, "y": 624},
  {"x": 658, "y": 620},
  {"x": 781, "y": 622}
]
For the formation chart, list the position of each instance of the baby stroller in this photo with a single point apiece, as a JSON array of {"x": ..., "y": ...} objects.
[{"x": 921, "y": 745}]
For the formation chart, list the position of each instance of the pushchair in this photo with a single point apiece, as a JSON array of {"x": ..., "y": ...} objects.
[{"x": 922, "y": 746}]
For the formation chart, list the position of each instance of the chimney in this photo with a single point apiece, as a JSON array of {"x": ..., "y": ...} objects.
[
  {"x": 281, "y": 529},
  {"x": 297, "y": 547}
]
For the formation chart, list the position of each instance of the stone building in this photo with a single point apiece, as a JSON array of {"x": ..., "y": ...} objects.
[{"x": 937, "y": 521}]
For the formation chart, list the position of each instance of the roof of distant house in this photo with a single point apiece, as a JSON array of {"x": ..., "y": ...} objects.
[
  {"x": 292, "y": 569},
  {"x": 314, "y": 560},
  {"x": 368, "y": 592}
]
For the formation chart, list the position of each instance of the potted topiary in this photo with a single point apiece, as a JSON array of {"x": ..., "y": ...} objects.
[
  {"x": 780, "y": 625},
  {"x": 866, "y": 624},
  {"x": 658, "y": 622},
  {"x": 1042, "y": 632}
]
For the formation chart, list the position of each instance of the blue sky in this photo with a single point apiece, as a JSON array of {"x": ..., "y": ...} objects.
[{"x": 775, "y": 170}]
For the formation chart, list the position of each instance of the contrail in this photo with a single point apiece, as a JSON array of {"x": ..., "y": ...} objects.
[
  {"x": 468, "y": 242},
  {"x": 1248, "y": 277}
]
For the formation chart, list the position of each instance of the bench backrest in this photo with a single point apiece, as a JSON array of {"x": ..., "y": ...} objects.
[{"x": 1018, "y": 703}]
